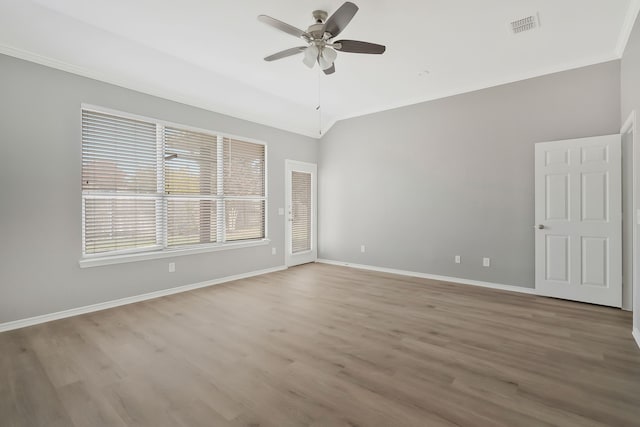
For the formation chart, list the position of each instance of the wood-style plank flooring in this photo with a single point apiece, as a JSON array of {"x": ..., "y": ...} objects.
[{"x": 320, "y": 345}]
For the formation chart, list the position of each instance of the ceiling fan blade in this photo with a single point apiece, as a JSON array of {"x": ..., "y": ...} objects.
[
  {"x": 283, "y": 26},
  {"x": 330, "y": 70},
  {"x": 355, "y": 46},
  {"x": 340, "y": 19},
  {"x": 285, "y": 53}
]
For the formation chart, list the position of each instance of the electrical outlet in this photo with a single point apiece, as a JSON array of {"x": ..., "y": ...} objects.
[
  {"x": 362, "y": 248},
  {"x": 486, "y": 262},
  {"x": 457, "y": 259},
  {"x": 273, "y": 251},
  {"x": 172, "y": 267},
  {"x": 280, "y": 211}
]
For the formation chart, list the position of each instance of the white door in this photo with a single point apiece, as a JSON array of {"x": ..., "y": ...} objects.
[
  {"x": 578, "y": 220},
  {"x": 301, "y": 212}
]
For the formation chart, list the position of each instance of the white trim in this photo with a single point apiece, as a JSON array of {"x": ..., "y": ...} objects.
[
  {"x": 458, "y": 280},
  {"x": 630, "y": 126},
  {"x": 300, "y": 163},
  {"x": 265, "y": 191},
  {"x": 23, "y": 323},
  {"x": 627, "y": 27},
  {"x": 636, "y": 335},
  {"x": 167, "y": 253}
]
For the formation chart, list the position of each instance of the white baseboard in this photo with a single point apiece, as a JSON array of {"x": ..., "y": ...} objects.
[
  {"x": 499, "y": 286},
  {"x": 23, "y": 323},
  {"x": 636, "y": 335}
]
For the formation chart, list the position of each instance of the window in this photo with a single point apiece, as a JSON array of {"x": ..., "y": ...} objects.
[{"x": 150, "y": 186}]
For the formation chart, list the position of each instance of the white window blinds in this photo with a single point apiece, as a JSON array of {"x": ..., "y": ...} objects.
[
  {"x": 301, "y": 211},
  {"x": 244, "y": 190},
  {"x": 151, "y": 186},
  {"x": 119, "y": 183},
  {"x": 191, "y": 176}
]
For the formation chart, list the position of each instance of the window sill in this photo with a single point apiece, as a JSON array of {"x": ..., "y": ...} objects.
[{"x": 167, "y": 253}]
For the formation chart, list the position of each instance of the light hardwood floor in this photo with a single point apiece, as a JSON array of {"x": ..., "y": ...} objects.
[{"x": 320, "y": 345}]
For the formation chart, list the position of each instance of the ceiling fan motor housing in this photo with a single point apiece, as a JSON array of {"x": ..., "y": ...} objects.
[
  {"x": 320, "y": 16},
  {"x": 316, "y": 31}
]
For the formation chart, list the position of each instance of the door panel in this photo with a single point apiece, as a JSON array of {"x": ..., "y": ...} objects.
[
  {"x": 595, "y": 196},
  {"x": 578, "y": 219},
  {"x": 557, "y": 197},
  {"x": 595, "y": 261},
  {"x": 555, "y": 157},
  {"x": 557, "y": 258},
  {"x": 301, "y": 200}
]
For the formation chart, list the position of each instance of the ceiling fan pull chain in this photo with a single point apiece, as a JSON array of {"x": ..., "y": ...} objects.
[{"x": 319, "y": 108}]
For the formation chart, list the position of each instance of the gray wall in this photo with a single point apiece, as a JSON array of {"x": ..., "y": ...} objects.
[
  {"x": 420, "y": 184},
  {"x": 40, "y": 194},
  {"x": 416, "y": 185},
  {"x": 630, "y": 100}
]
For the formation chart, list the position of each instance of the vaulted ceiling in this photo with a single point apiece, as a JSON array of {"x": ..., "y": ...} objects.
[{"x": 208, "y": 53}]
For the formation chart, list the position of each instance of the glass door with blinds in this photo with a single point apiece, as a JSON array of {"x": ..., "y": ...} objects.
[{"x": 301, "y": 199}]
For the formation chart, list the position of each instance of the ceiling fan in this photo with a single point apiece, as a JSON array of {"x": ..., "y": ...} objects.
[{"x": 321, "y": 47}]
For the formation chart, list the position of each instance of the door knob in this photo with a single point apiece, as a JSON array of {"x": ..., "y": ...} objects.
[{"x": 539, "y": 227}]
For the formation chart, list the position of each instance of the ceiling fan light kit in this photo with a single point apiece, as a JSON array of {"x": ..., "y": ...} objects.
[
  {"x": 310, "y": 55},
  {"x": 319, "y": 37},
  {"x": 326, "y": 58}
]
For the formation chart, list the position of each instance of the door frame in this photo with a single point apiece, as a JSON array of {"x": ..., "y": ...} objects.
[
  {"x": 290, "y": 165},
  {"x": 630, "y": 126}
]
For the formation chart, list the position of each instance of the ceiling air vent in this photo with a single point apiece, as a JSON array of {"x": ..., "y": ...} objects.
[{"x": 524, "y": 24}]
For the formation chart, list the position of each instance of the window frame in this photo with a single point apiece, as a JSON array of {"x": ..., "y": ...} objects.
[{"x": 161, "y": 250}]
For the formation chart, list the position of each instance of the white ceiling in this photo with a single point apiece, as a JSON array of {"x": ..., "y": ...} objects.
[{"x": 208, "y": 53}]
